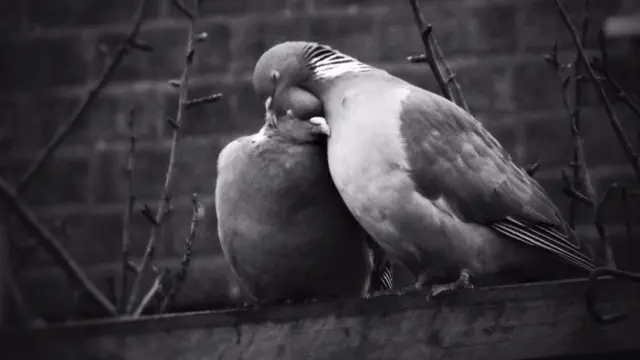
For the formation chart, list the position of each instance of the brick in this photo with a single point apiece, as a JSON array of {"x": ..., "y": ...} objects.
[
  {"x": 486, "y": 87},
  {"x": 350, "y": 5},
  {"x": 417, "y": 74},
  {"x": 252, "y": 38},
  {"x": 205, "y": 119},
  {"x": 626, "y": 72},
  {"x": 541, "y": 23},
  {"x": 206, "y": 240},
  {"x": 71, "y": 13},
  {"x": 494, "y": 28},
  {"x": 248, "y": 110},
  {"x": 231, "y": 7},
  {"x": 90, "y": 238},
  {"x": 31, "y": 120},
  {"x": 195, "y": 171},
  {"x": 349, "y": 34},
  {"x": 548, "y": 140},
  {"x": 39, "y": 63},
  {"x": 399, "y": 36},
  {"x": 61, "y": 180},
  {"x": 108, "y": 184},
  {"x": 12, "y": 16},
  {"x": 167, "y": 61},
  {"x": 214, "y": 55},
  {"x": 210, "y": 285},
  {"x": 536, "y": 86},
  {"x": 614, "y": 213},
  {"x": 109, "y": 116}
]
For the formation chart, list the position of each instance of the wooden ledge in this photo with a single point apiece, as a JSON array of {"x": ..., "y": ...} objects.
[{"x": 539, "y": 320}]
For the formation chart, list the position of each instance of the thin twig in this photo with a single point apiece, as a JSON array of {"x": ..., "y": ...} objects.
[
  {"x": 203, "y": 100},
  {"x": 581, "y": 176},
  {"x": 580, "y": 187},
  {"x": 598, "y": 223},
  {"x": 602, "y": 66},
  {"x": 613, "y": 118},
  {"x": 590, "y": 293},
  {"x": 63, "y": 132},
  {"x": 425, "y": 33},
  {"x": 153, "y": 291},
  {"x": 54, "y": 248},
  {"x": 181, "y": 275},
  {"x": 165, "y": 198},
  {"x": 128, "y": 212},
  {"x": 451, "y": 78}
]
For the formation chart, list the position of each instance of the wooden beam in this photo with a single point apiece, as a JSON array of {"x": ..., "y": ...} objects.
[{"x": 542, "y": 320}]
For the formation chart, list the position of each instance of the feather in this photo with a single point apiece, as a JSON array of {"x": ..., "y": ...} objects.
[{"x": 465, "y": 165}]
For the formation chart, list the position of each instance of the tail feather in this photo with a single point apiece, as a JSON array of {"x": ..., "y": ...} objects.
[{"x": 545, "y": 237}]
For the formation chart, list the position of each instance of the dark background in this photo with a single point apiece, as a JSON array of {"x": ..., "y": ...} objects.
[{"x": 50, "y": 53}]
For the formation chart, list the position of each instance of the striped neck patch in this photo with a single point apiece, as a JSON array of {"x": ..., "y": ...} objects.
[{"x": 327, "y": 63}]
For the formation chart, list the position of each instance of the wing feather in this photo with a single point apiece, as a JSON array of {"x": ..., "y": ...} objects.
[{"x": 461, "y": 162}]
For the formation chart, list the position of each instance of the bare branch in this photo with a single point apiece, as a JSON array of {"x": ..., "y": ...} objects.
[
  {"x": 580, "y": 188},
  {"x": 425, "y": 34},
  {"x": 63, "y": 132},
  {"x": 153, "y": 291},
  {"x": 126, "y": 222},
  {"x": 604, "y": 99},
  {"x": 164, "y": 206},
  {"x": 602, "y": 66},
  {"x": 148, "y": 214},
  {"x": 54, "y": 248},
  {"x": 451, "y": 77},
  {"x": 181, "y": 275},
  {"x": 203, "y": 100},
  {"x": 183, "y": 8}
]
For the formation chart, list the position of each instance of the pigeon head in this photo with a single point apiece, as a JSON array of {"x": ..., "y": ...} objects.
[
  {"x": 293, "y": 129},
  {"x": 292, "y": 74}
]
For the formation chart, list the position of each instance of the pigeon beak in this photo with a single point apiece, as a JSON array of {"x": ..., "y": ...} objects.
[{"x": 321, "y": 125}]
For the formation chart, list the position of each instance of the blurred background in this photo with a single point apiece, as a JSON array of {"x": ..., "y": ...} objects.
[{"x": 53, "y": 50}]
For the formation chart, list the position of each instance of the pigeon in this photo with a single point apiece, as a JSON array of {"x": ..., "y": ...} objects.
[
  {"x": 282, "y": 225},
  {"x": 432, "y": 186}
]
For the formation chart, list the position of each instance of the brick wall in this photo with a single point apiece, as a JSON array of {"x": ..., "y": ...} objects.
[{"x": 51, "y": 50}]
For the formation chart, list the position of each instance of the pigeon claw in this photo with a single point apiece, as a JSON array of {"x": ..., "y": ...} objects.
[{"x": 463, "y": 282}]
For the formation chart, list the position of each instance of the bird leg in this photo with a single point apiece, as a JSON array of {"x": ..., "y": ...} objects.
[
  {"x": 463, "y": 282},
  {"x": 417, "y": 286}
]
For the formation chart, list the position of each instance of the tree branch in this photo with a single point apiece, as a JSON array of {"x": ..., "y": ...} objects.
[
  {"x": 604, "y": 99},
  {"x": 151, "y": 293},
  {"x": 126, "y": 222},
  {"x": 165, "y": 198},
  {"x": 425, "y": 34},
  {"x": 181, "y": 275},
  {"x": 63, "y": 132},
  {"x": 602, "y": 66},
  {"x": 54, "y": 248}
]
